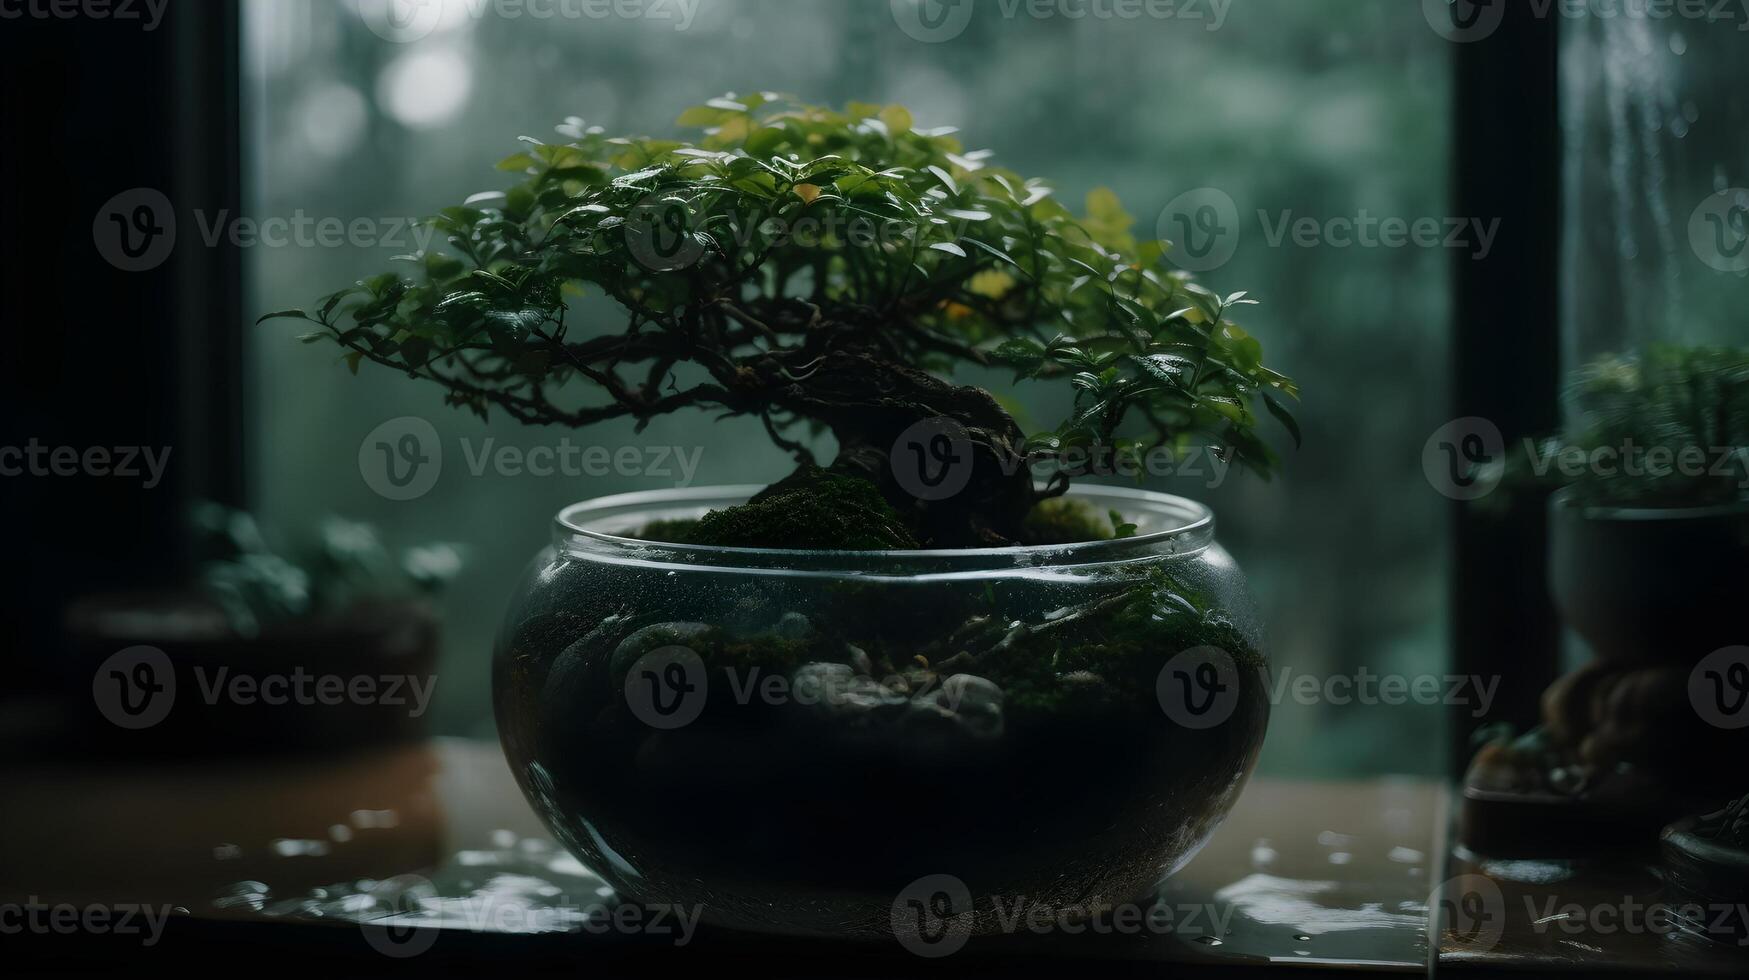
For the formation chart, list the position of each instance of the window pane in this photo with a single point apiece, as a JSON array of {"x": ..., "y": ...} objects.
[
  {"x": 1323, "y": 121},
  {"x": 1656, "y": 176}
]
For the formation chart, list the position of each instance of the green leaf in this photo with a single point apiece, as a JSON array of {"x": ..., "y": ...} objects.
[
  {"x": 1120, "y": 527},
  {"x": 1170, "y": 368},
  {"x": 1228, "y": 407},
  {"x": 765, "y": 141},
  {"x": 518, "y": 320},
  {"x": 472, "y": 297},
  {"x": 415, "y": 352},
  {"x": 992, "y": 250},
  {"x": 1021, "y": 351},
  {"x": 1207, "y": 303},
  {"x": 1285, "y": 416},
  {"x": 946, "y": 179}
]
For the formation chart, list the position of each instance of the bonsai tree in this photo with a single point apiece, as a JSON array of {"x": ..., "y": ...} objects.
[{"x": 822, "y": 271}]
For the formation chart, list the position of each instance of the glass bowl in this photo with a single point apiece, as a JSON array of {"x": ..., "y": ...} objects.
[{"x": 789, "y": 740}]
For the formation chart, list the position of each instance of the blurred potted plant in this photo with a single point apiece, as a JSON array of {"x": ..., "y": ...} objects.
[
  {"x": 330, "y": 643},
  {"x": 1649, "y": 536},
  {"x": 1649, "y": 564},
  {"x": 949, "y": 628}
]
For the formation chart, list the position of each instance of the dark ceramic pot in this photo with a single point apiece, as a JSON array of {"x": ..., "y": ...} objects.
[
  {"x": 165, "y": 674},
  {"x": 1656, "y": 585}
]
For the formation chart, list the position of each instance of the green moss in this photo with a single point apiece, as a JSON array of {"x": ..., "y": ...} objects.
[
  {"x": 1062, "y": 520},
  {"x": 812, "y": 510},
  {"x": 1115, "y": 658},
  {"x": 816, "y": 509}
]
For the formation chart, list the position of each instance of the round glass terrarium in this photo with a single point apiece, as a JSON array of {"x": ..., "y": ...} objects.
[{"x": 790, "y": 739}]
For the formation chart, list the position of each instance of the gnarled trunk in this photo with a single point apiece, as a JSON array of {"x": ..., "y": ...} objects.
[{"x": 948, "y": 457}]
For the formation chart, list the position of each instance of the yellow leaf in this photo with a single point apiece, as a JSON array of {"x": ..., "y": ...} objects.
[
  {"x": 700, "y": 115},
  {"x": 992, "y": 283},
  {"x": 734, "y": 130},
  {"x": 807, "y": 192},
  {"x": 1103, "y": 205},
  {"x": 897, "y": 118},
  {"x": 1107, "y": 221}
]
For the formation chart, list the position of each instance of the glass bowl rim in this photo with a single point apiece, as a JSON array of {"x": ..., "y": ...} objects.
[{"x": 1188, "y": 527}]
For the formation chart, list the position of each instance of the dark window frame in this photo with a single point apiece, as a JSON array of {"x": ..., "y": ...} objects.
[
  {"x": 103, "y": 357},
  {"x": 1506, "y": 354}
]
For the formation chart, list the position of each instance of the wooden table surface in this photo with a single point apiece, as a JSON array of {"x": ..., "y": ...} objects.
[
  {"x": 291, "y": 855},
  {"x": 1554, "y": 917}
]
